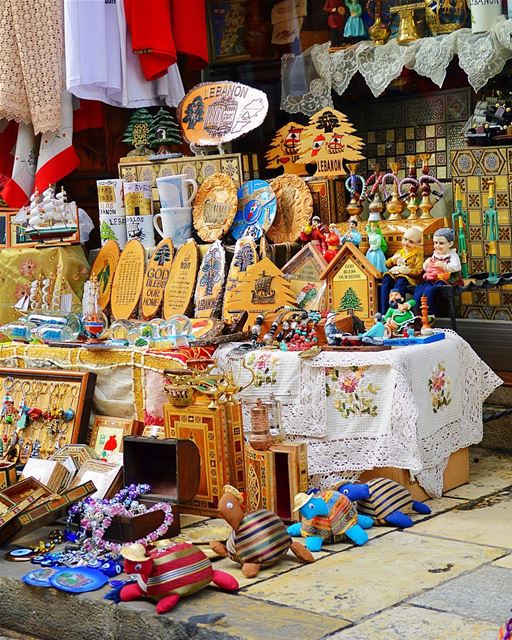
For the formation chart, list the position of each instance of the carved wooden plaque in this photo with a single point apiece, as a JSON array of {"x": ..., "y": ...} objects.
[
  {"x": 294, "y": 208},
  {"x": 128, "y": 280},
  {"x": 182, "y": 279},
  {"x": 244, "y": 257},
  {"x": 156, "y": 278},
  {"x": 104, "y": 268},
  {"x": 210, "y": 282},
  {"x": 216, "y": 112},
  {"x": 215, "y": 207}
]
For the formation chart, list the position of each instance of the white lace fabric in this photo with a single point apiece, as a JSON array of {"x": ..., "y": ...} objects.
[
  {"x": 391, "y": 418},
  {"x": 481, "y": 56}
]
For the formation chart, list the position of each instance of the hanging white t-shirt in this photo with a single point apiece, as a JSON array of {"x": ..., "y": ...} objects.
[{"x": 100, "y": 63}]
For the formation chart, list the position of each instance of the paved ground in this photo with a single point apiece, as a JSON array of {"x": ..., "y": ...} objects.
[{"x": 448, "y": 577}]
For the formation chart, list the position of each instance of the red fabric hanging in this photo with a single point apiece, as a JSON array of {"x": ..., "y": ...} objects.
[{"x": 188, "y": 19}]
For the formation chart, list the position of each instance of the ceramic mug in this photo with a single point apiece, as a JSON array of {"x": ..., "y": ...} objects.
[
  {"x": 110, "y": 197},
  {"x": 113, "y": 227},
  {"x": 174, "y": 191},
  {"x": 174, "y": 223},
  {"x": 138, "y": 198},
  {"x": 141, "y": 228}
]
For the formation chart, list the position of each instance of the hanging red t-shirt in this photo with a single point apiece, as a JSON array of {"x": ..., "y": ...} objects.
[{"x": 188, "y": 19}]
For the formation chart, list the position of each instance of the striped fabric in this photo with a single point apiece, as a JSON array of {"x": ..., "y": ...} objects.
[
  {"x": 181, "y": 569},
  {"x": 261, "y": 538},
  {"x": 342, "y": 516},
  {"x": 386, "y": 496}
]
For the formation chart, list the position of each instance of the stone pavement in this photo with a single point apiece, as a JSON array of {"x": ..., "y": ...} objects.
[{"x": 450, "y": 576}]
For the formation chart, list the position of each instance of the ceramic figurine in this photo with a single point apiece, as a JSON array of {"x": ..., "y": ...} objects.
[
  {"x": 375, "y": 334},
  {"x": 332, "y": 240},
  {"x": 442, "y": 268},
  {"x": 491, "y": 236},
  {"x": 354, "y": 27},
  {"x": 399, "y": 315},
  {"x": 315, "y": 233},
  {"x": 378, "y": 244},
  {"x": 352, "y": 234},
  {"x": 460, "y": 225},
  {"x": 405, "y": 266},
  {"x": 332, "y": 334},
  {"x": 336, "y": 20}
]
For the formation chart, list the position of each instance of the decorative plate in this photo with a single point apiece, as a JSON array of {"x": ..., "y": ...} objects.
[
  {"x": 182, "y": 279},
  {"x": 40, "y": 577},
  {"x": 210, "y": 282},
  {"x": 294, "y": 208},
  {"x": 256, "y": 209},
  {"x": 104, "y": 268},
  {"x": 78, "y": 580},
  {"x": 156, "y": 278},
  {"x": 244, "y": 257},
  {"x": 21, "y": 555},
  {"x": 215, "y": 207},
  {"x": 128, "y": 280}
]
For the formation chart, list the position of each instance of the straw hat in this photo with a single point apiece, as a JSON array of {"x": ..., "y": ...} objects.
[
  {"x": 135, "y": 552},
  {"x": 234, "y": 492},
  {"x": 300, "y": 500}
]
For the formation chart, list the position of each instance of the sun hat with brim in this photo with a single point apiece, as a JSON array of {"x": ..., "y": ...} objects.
[
  {"x": 135, "y": 552},
  {"x": 300, "y": 500}
]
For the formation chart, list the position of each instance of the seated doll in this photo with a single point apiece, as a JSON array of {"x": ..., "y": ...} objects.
[
  {"x": 405, "y": 266},
  {"x": 399, "y": 315},
  {"x": 442, "y": 268},
  {"x": 352, "y": 234}
]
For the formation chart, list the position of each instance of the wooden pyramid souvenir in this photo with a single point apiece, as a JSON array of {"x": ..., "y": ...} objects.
[
  {"x": 304, "y": 273},
  {"x": 104, "y": 269},
  {"x": 284, "y": 150},
  {"x": 128, "y": 280},
  {"x": 156, "y": 278},
  {"x": 327, "y": 141},
  {"x": 182, "y": 279},
  {"x": 351, "y": 282},
  {"x": 244, "y": 257},
  {"x": 262, "y": 289},
  {"x": 210, "y": 282}
]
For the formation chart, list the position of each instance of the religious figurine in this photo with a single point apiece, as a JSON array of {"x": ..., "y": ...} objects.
[
  {"x": 352, "y": 234},
  {"x": 442, "y": 268},
  {"x": 399, "y": 315},
  {"x": 354, "y": 27},
  {"x": 491, "y": 236},
  {"x": 405, "y": 266},
  {"x": 336, "y": 20},
  {"x": 378, "y": 244},
  {"x": 315, "y": 233},
  {"x": 332, "y": 335},
  {"x": 375, "y": 334},
  {"x": 332, "y": 240}
]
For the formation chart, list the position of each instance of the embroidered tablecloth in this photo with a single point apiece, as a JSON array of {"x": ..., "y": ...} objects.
[{"x": 410, "y": 407}]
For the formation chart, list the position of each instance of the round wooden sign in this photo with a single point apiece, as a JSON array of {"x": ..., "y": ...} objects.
[
  {"x": 294, "y": 208},
  {"x": 156, "y": 278},
  {"x": 104, "y": 268},
  {"x": 210, "y": 282},
  {"x": 244, "y": 257},
  {"x": 182, "y": 279},
  {"x": 128, "y": 280},
  {"x": 215, "y": 207}
]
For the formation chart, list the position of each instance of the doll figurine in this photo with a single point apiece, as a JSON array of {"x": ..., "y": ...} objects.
[
  {"x": 378, "y": 244},
  {"x": 315, "y": 233},
  {"x": 354, "y": 27},
  {"x": 336, "y": 20},
  {"x": 332, "y": 240},
  {"x": 405, "y": 267},
  {"x": 352, "y": 234},
  {"x": 332, "y": 334},
  {"x": 375, "y": 334},
  {"x": 442, "y": 268},
  {"x": 399, "y": 315}
]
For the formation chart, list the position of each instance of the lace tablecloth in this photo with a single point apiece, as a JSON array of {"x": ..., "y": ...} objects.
[
  {"x": 307, "y": 79},
  {"x": 410, "y": 407}
]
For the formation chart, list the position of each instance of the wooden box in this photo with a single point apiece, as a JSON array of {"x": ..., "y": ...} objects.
[
  {"x": 220, "y": 445},
  {"x": 23, "y": 489},
  {"x": 274, "y": 477},
  {"x": 51, "y": 473},
  {"x": 455, "y": 475},
  {"x": 7, "y": 474},
  {"x": 328, "y": 198}
]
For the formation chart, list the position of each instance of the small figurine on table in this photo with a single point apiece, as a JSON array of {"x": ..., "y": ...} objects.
[
  {"x": 399, "y": 315},
  {"x": 375, "y": 334},
  {"x": 332, "y": 334},
  {"x": 332, "y": 240},
  {"x": 354, "y": 27},
  {"x": 352, "y": 234},
  {"x": 491, "y": 236},
  {"x": 405, "y": 266},
  {"x": 442, "y": 268},
  {"x": 377, "y": 242},
  {"x": 336, "y": 20},
  {"x": 315, "y": 233}
]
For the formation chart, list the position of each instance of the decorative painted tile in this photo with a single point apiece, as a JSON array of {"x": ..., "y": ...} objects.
[
  {"x": 430, "y": 145},
  {"x": 410, "y": 147},
  {"x": 420, "y": 146},
  {"x": 420, "y": 133},
  {"x": 440, "y": 130},
  {"x": 381, "y": 136},
  {"x": 409, "y": 133}
]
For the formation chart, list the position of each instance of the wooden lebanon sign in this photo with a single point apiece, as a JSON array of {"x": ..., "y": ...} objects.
[
  {"x": 128, "y": 280},
  {"x": 104, "y": 268},
  {"x": 156, "y": 278},
  {"x": 216, "y": 112},
  {"x": 244, "y": 257},
  {"x": 210, "y": 282},
  {"x": 182, "y": 279}
]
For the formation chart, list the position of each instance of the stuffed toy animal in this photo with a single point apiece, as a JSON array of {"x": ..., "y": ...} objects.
[
  {"x": 166, "y": 574},
  {"x": 387, "y": 502},
  {"x": 328, "y": 517},
  {"x": 258, "y": 539}
]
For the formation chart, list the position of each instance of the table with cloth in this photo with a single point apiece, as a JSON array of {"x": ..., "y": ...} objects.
[{"x": 409, "y": 407}]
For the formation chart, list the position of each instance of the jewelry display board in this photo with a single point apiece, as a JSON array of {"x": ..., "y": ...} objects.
[{"x": 42, "y": 411}]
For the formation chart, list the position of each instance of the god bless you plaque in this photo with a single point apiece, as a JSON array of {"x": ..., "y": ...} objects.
[
  {"x": 156, "y": 278},
  {"x": 128, "y": 280},
  {"x": 182, "y": 279}
]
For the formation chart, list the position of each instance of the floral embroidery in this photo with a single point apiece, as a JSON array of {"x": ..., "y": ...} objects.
[
  {"x": 439, "y": 385},
  {"x": 21, "y": 291},
  {"x": 352, "y": 396},
  {"x": 27, "y": 268},
  {"x": 264, "y": 366}
]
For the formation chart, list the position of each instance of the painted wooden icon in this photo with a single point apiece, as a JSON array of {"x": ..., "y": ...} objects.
[
  {"x": 104, "y": 269},
  {"x": 156, "y": 278},
  {"x": 327, "y": 141},
  {"x": 128, "y": 280},
  {"x": 245, "y": 256},
  {"x": 284, "y": 150},
  {"x": 182, "y": 279},
  {"x": 210, "y": 282},
  {"x": 352, "y": 283},
  {"x": 215, "y": 207},
  {"x": 262, "y": 289},
  {"x": 304, "y": 273},
  {"x": 213, "y": 113},
  {"x": 294, "y": 208}
]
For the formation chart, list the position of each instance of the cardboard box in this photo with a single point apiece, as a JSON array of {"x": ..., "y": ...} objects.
[{"x": 455, "y": 475}]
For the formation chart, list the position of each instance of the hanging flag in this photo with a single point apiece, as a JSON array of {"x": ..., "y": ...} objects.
[{"x": 18, "y": 189}]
